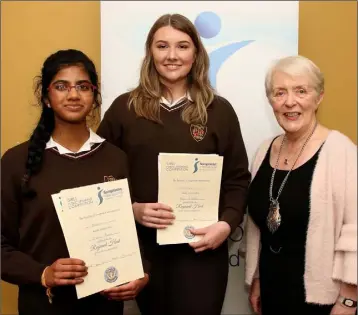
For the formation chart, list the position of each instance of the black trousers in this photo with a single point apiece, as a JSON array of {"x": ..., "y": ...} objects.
[
  {"x": 33, "y": 301},
  {"x": 183, "y": 282}
]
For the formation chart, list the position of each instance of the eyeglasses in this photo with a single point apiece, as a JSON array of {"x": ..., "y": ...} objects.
[{"x": 82, "y": 88}]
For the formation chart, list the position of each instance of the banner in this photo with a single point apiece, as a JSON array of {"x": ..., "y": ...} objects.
[{"x": 242, "y": 38}]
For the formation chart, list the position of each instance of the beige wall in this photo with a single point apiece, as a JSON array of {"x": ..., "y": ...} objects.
[
  {"x": 32, "y": 30},
  {"x": 328, "y": 36}
]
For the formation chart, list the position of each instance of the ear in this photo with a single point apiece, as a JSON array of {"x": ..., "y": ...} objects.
[
  {"x": 47, "y": 102},
  {"x": 320, "y": 98}
]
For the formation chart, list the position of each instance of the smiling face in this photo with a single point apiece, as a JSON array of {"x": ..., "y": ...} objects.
[
  {"x": 173, "y": 54},
  {"x": 71, "y": 95},
  {"x": 294, "y": 101}
]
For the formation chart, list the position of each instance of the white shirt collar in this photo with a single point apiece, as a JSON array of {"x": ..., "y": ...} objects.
[
  {"x": 164, "y": 101},
  {"x": 93, "y": 138}
]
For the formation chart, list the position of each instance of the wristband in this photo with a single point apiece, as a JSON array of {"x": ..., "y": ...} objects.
[{"x": 48, "y": 289}]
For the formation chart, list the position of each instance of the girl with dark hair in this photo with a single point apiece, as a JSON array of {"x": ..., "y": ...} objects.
[
  {"x": 62, "y": 153},
  {"x": 174, "y": 109}
]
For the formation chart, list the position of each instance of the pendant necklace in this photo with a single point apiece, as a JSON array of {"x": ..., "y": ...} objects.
[{"x": 273, "y": 220}]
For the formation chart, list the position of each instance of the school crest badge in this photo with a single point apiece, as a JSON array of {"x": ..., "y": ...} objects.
[
  {"x": 109, "y": 178},
  {"x": 198, "y": 132}
]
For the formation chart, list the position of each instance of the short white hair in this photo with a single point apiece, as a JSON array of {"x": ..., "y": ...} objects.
[{"x": 295, "y": 66}]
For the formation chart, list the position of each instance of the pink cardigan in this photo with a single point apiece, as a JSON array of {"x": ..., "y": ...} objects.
[{"x": 331, "y": 248}]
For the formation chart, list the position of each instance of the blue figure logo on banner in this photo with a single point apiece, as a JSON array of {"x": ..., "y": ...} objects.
[{"x": 208, "y": 25}]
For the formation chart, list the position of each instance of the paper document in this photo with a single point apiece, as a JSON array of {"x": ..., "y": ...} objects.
[
  {"x": 190, "y": 184},
  {"x": 99, "y": 228}
]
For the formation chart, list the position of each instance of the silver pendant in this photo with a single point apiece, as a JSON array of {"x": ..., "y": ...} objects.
[{"x": 273, "y": 220}]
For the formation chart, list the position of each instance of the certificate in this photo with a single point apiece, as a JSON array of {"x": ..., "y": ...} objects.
[
  {"x": 98, "y": 225},
  {"x": 190, "y": 184}
]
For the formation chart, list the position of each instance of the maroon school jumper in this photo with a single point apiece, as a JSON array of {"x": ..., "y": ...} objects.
[
  {"x": 31, "y": 235},
  {"x": 178, "y": 274}
]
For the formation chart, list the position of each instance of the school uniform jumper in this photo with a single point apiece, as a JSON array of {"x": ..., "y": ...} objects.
[
  {"x": 181, "y": 282},
  {"x": 31, "y": 235}
]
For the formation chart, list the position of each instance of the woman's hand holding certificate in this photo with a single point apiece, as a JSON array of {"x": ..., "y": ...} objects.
[
  {"x": 213, "y": 236},
  {"x": 128, "y": 291}
]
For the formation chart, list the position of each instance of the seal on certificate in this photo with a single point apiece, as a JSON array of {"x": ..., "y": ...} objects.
[
  {"x": 187, "y": 232},
  {"x": 111, "y": 274}
]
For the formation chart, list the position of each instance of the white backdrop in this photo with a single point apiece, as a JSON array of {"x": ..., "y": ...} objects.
[{"x": 242, "y": 39}]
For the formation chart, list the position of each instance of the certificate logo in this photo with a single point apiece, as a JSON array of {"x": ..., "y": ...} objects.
[
  {"x": 205, "y": 167},
  {"x": 198, "y": 132},
  {"x": 111, "y": 274},
  {"x": 187, "y": 232},
  {"x": 108, "y": 194},
  {"x": 74, "y": 202},
  {"x": 208, "y": 24},
  {"x": 173, "y": 167},
  {"x": 196, "y": 168}
]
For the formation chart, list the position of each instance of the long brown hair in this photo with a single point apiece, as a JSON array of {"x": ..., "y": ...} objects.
[{"x": 146, "y": 96}]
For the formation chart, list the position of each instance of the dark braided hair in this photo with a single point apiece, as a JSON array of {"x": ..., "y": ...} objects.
[{"x": 42, "y": 133}]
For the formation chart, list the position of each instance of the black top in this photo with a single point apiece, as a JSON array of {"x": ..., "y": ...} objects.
[
  {"x": 143, "y": 140},
  {"x": 282, "y": 258},
  {"x": 293, "y": 201}
]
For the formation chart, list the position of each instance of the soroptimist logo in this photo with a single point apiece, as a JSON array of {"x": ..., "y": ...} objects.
[
  {"x": 208, "y": 25},
  {"x": 196, "y": 162},
  {"x": 206, "y": 167},
  {"x": 107, "y": 194},
  {"x": 111, "y": 274}
]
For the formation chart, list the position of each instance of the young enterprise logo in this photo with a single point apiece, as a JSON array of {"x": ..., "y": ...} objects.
[{"x": 111, "y": 274}]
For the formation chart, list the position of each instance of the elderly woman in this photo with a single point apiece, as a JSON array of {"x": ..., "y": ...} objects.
[{"x": 301, "y": 242}]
